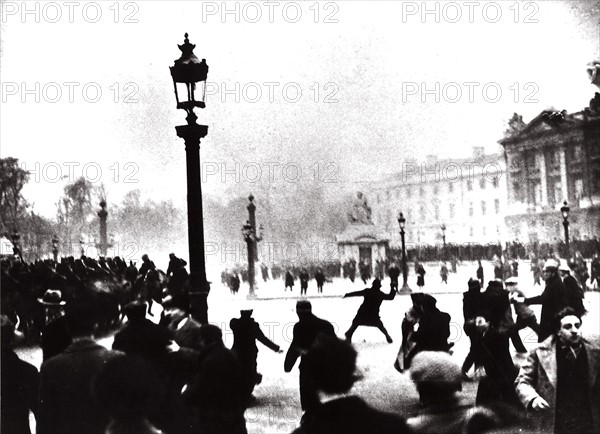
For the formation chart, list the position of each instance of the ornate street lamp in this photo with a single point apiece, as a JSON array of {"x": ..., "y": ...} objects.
[
  {"x": 55, "y": 242},
  {"x": 252, "y": 239},
  {"x": 565, "y": 213},
  {"x": 187, "y": 73},
  {"x": 405, "y": 288},
  {"x": 82, "y": 247},
  {"x": 102, "y": 215}
]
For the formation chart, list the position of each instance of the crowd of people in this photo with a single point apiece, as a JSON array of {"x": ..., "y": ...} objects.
[{"x": 175, "y": 375}]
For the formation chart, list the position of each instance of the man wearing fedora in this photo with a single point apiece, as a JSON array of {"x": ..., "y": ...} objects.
[
  {"x": 368, "y": 312},
  {"x": 246, "y": 331},
  {"x": 553, "y": 299},
  {"x": 55, "y": 336},
  {"x": 559, "y": 384},
  {"x": 573, "y": 292}
]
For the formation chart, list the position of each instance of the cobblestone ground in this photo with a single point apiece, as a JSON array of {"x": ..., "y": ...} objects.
[{"x": 277, "y": 409}]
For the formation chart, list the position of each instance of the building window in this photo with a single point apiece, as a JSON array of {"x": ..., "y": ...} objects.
[
  {"x": 436, "y": 190},
  {"x": 450, "y": 188},
  {"x": 437, "y": 212},
  {"x": 484, "y": 231},
  {"x": 471, "y": 209},
  {"x": 421, "y": 191},
  {"x": 482, "y": 183},
  {"x": 578, "y": 188},
  {"x": 483, "y": 207},
  {"x": 497, "y": 205},
  {"x": 470, "y": 185},
  {"x": 577, "y": 153},
  {"x": 408, "y": 192},
  {"x": 496, "y": 181},
  {"x": 378, "y": 201},
  {"x": 422, "y": 213},
  {"x": 451, "y": 211},
  {"x": 558, "y": 192},
  {"x": 398, "y": 194},
  {"x": 517, "y": 192},
  {"x": 388, "y": 194},
  {"x": 471, "y": 231}
]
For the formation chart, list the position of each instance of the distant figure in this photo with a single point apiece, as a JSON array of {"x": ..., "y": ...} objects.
[
  {"x": 394, "y": 273},
  {"x": 147, "y": 265},
  {"x": 559, "y": 384},
  {"x": 368, "y": 312},
  {"x": 306, "y": 331},
  {"x": 289, "y": 281},
  {"x": 480, "y": 272},
  {"x": 304, "y": 277},
  {"x": 352, "y": 270},
  {"x": 365, "y": 271},
  {"x": 573, "y": 292},
  {"x": 444, "y": 273},
  {"x": 246, "y": 331},
  {"x": 20, "y": 384},
  {"x": 421, "y": 276},
  {"x": 472, "y": 305},
  {"x": 320, "y": 279},
  {"x": 265, "y": 272},
  {"x": 330, "y": 365}
]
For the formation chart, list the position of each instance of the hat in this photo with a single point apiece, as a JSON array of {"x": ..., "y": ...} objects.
[
  {"x": 376, "y": 283},
  {"x": 474, "y": 285},
  {"x": 135, "y": 309},
  {"x": 551, "y": 264},
  {"x": 52, "y": 297},
  {"x": 512, "y": 281},
  {"x": 437, "y": 368},
  {"x": 246, "y": 312}
]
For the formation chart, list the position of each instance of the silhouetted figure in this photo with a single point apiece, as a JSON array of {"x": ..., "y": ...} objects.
[
  {"x": 525, "y": 316},
  {"x": 265, "y": 272},
  {"x": 147, "y": 265},
  {"x": 497, "y": 304},
  {"x": 246, "y": 331},
  {"x": 573, "y": 292},
  {"x": 304, "y": 277},
  {"x": 352, "y": 270},
  {"x": 320, "y": 279},
  {"x": 480, "y": 272},
  {"x": 394, "y": 273},
  {"x": 216, "y": 392},
  {"x": 306, "y": 331},
  {"x": 20, "y": 385},
  {"x": 129, "y": 390},
  {"x": 184, "y": 329},
  {"x": 131, "y": 273},
  {"x": 55, "y": 335},
  {"x": 330, "y": 365},
  {"x": 368, "y": 312},
  {"x": 420, "y": 276},
  {"x": 289, "y": 281},
  {"x": 444, "y": 273},
  {"x": 473, "y": 304},
  {"x": 66, "y": 403}
]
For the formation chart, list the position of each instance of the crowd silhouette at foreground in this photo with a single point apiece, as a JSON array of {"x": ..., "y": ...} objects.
[{"x": 178, "y": 377}]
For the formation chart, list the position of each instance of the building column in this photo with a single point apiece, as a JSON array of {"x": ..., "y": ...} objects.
[
  {"x": 563, "y": 175},
  {"x": 543, "y": 178}
]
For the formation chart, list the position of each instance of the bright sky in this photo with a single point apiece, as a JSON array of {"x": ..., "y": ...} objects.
[{"x": 361, "y": 69}]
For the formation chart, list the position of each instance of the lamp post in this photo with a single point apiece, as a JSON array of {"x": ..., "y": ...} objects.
[
  {"x": 565, "y": 213},
  {"x": 443, "y": 228},
  {"x": 252, "y": 239},
  {"x": 405, "y": 288},
  {"x": 103, "y": 214},
  {"x": 187, "y": 72},
  {"x": 82, "y": 247},
  {"x": 55, "y": 242}
]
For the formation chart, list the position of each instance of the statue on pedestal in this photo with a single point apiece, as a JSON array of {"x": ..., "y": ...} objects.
[{"x": 361, "y": 211}]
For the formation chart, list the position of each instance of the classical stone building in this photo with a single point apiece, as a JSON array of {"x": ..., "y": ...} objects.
[
  {"x": 552, "y": 159},
  {"x": 464, "y": 195}
]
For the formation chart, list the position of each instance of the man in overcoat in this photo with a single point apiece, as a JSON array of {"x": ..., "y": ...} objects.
[
  {"x": 553, "y": 299},
  {"x": 306, "y": 331},
  {"x": 368, "y": 312},
  {"x": 559, "y": 384}
]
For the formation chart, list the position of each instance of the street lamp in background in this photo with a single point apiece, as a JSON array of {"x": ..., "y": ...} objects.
[
  {"x": 82, "y": 247},
  {"x": 102, "y": 215},
  {"x": 443, "y": 228},
  {"x": 16, "y": 241},
  {"x": 187, "y": 72},
  {"x": 55, "y": 242},
  {"x": 252, "y": 239},
  {"x": 565, "y": 213},
  {"x": 405, "y": 288}
]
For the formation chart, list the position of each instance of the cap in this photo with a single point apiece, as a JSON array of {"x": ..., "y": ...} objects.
[
  {"x": 512, "y": 281},
  {"x": 303, "y": 306},
  {"x": 435, "y": 367},
  {"x": 52, "y": 297},
  {"x": 551, "y": 264}
]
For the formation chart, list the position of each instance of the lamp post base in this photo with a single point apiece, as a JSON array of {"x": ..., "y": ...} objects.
[
  {"x": 251, "y": 295},
  {"x": 405, "y": 290}
]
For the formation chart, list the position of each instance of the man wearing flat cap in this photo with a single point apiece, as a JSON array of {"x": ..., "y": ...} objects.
[
  {"x": 306, "y": 331},
  {"x": 553, "y": 299}
]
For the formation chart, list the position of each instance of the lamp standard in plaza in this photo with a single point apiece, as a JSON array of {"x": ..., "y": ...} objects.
[
  {"x": 187, "y": 72},
  {"x": 565, "y": 213},
  {"x": 103, "y": 214},
  {"x": 55, "y": 242},
  {"x": 443, "y": 228},
  {"x": 252, "y": 239},
  {"x": 82, "y": 247},
  {"x": 405, "y": 288}
]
